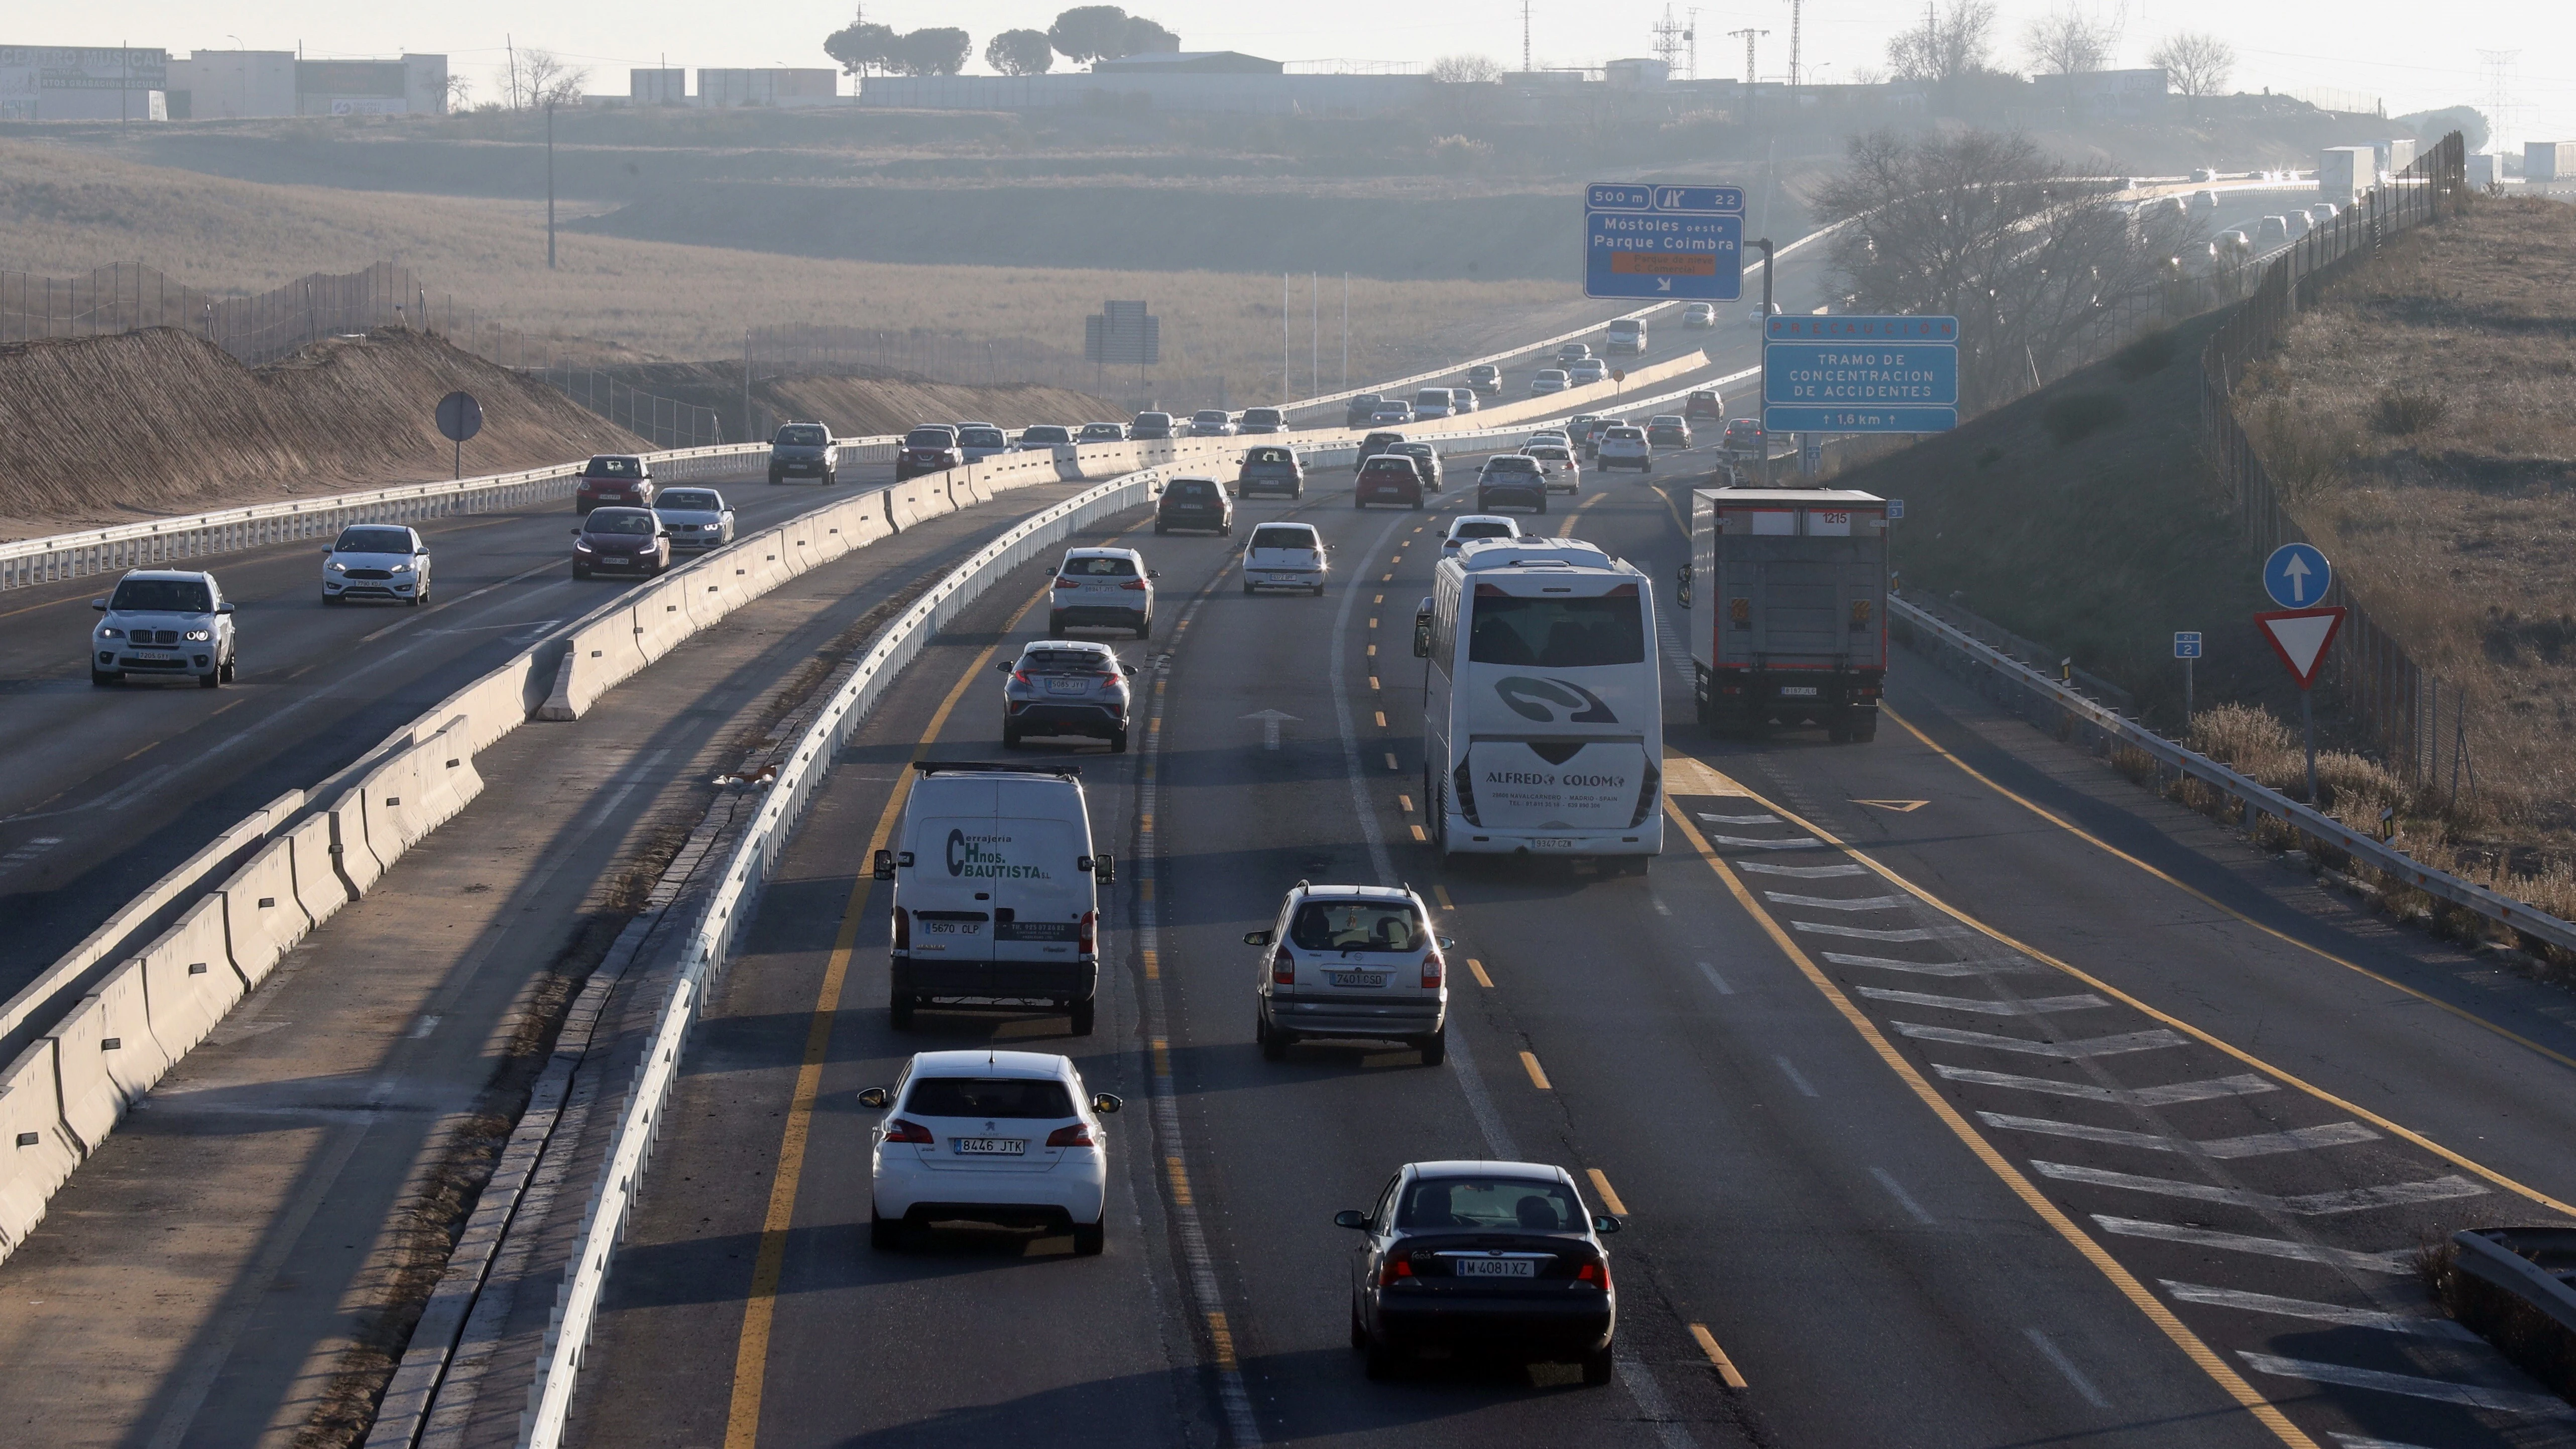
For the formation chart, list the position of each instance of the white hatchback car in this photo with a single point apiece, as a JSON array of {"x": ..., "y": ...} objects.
[
  {"x": 1557, "y": 464},
  {"x": 1352, "y": 962},
  {"x": 1469, "y": 527},
  {"x": 1625, "y": 446},
  {"x": 1548, "y": 379},
  {"x": 170, "y": 622},
  {"x": 991, "y": 1137},
  {"x": 1102, "y": 588},
  {"x": 376, "y": 561},
  {"x": 1285, "y": 556},
  {"x": 1699, "y": 314}
]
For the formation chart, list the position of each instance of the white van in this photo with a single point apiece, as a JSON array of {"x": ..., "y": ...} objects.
[
  {"x": 1627, "y": 334},
  {"x": 996, "y": 903}
]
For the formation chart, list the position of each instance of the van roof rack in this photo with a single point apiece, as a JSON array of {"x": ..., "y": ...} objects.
[{"x": 986, "y": 767}]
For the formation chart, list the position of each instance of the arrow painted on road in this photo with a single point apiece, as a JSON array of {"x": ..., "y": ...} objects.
[
  {"x": 1271, "y": 719},
  {"x": 1901, "y": 807}
]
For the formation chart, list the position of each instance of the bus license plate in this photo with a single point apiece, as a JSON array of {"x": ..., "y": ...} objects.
[{"x": 1802, "y": 691}]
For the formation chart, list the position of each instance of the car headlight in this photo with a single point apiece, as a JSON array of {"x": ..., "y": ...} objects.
[
  {"x": 581, "y": 546},
  {"x": 110, "y": 632},
  {"x": 200, "y": 636},
  {"x": 400, "y": 568},
  {"x": 338, "y": 567}
]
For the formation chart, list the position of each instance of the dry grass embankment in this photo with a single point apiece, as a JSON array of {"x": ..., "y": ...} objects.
[
  {"x": 2424, "y": 418},
  {"x": 111, "y": 430},
  {"x": 70, "y": 211}
]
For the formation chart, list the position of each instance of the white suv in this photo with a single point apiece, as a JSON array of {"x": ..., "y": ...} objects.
[
  {"x": 376, "y": 561},
  {"x": 1625, "y": 446},
  {"x": 1102, "y": 588},
  {"x": 1348, "y": 961},
  {"x": 168, "y": 622},
  {"x": 989, "y": 1136}
]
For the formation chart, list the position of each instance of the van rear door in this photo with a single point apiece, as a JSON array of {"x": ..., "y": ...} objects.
[{"x": 1040, "y": 893}]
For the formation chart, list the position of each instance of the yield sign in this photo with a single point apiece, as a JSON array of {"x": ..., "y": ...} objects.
[{"x": 2301, "y": 637}]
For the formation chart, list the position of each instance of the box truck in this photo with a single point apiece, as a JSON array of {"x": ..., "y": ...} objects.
[{"x": 1787, "y": 597}]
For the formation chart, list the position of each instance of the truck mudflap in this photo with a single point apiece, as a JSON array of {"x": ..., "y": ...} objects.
[{"x": 1752, "y": 701}]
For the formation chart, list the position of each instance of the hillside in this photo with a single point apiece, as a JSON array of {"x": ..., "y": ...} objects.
[{"x": 116, "y": 429}]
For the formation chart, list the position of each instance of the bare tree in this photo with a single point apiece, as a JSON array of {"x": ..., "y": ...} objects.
[
  {"x": 1945, "y": 48},
  {"x": 1984, "y": 227},
  {"x": 2196, "y": 62},
  {"x": 1465, "y": 69},
  {"x": 534, "y": 79},
  {"x": 2068, "y": 40},
  {"x": 457, "y": 89}
]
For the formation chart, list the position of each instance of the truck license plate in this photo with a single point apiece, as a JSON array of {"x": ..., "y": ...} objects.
[{"x": 1802, "y": 691}]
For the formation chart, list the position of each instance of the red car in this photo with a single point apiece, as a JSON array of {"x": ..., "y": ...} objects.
[
  {"x": 1704, "y": 403},
  {"x": 614, "y": 478},
  {"x": 1389, "y": 478},
  {"x": 928, "y": 449}
]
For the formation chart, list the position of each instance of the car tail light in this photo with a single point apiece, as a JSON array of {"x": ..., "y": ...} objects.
[
  {"x": 1088, "y": 935},
  {"x": 1433, "y": 968},
  {"x": 902, "y": 929},
  {"x": 1283, "y": 968},
  {"x": 1395, "y": 1268},
  {"x": 1136, "y": 584},
  {"x": 898, "y": 1130},
  {"x": 1020, "y": 676},
  {"x": 1077, "y": 1135},
  {"x": 1068, "y": 583},
  {"x": 1595, "y": 1273}
]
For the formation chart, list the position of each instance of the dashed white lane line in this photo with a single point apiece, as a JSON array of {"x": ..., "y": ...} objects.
[
  {"x": 2065, "y": 1366},
  {"x": 1830, "y": 903},
  {"x": 1799, "y": 872},
  {"x": 1904, "y": 1199},
  {"x": 2170, "y": 1094},
  {"x": 1797, "y": 1079},
  {"x": 1714, "y": 979},
  {"x": 1864, "y": 933},
  {"x": 1934, "y": 968},
  {"x": 2410, "y": 1324},
  {"x": 2260, "y": 1144},
  {"x": 2472, "y": 1396},
  {"x": 1734, "y": 842},
  {"x": 1985, "y": 1006},
  {"x": 2395, "y": 1261},
  {"x": 2100, "y": 1046},
  {"x": 2357, "y": 1441},
  {"x": 1741, "y": 819},
  {"x": 2309, "y": 1204}
]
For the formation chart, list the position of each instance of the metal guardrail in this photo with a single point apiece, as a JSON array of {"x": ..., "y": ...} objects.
[{"x": 2258, "y": 800}]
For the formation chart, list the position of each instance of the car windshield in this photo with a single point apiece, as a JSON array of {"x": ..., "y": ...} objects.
[
  {"x": 994, "y": 1097},
  {"x": 161, "y": 596},
  {"x": 373, "y": 540},
  {"x": 1100, "y": 568},
  {"x": 690, "y": 500},
  {"x": 1043, "y": 435},
  {"x": 1391, "y": 463},
  {"x": 1552, "y": 454},
  {"x": 1416, "y": 450},
  {"x": 1193, "y": 488},
  {"x": 1270, "y": 455},
  {"x": 620, "y": 523},
  {"x": 1210, "y": 416},
  {"x": 926, "y": 438},
  {"x": 1623, "y": 435},
  {"x": 1356, "y": 926},
  {"x": 803, "y": 435},
  {"x": 1262, "y": 415},
  {"x": 1485, "y": 530},
  {"x": 1066, "y": 661},
  {"x": 615, "y": 468},
  {"x": 1283, "y": 537},
  {"x": 981, "y": 438},
  {"x": 1553, "y": 375},
  {"x": 1491, "y": 1202},
  {"x": 1156, "y": 419},
  {"x": 1515, "y": 463},
  {"x": 1558, "y": 633}
]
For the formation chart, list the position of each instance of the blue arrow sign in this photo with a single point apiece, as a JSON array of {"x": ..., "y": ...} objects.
[
  {"x": 2297, "y": 576},
  {"x": 2186, "y": 644},
  {"x": 1643, "y": 241}
]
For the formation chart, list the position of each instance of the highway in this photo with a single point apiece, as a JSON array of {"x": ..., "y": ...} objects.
[{"x": 1954, "y": 1091}]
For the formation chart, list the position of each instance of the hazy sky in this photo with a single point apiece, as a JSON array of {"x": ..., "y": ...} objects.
[{"x": 2414, "y": 56}]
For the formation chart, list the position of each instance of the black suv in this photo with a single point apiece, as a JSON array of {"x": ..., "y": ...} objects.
[
  {"x": 1361, "y": 409},
  {"x": 1194, "y": 503}
]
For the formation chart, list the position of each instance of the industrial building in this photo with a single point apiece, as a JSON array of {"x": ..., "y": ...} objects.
[{"x": 132, "y": 83}]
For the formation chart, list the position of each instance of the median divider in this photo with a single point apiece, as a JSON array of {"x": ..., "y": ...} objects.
[
  {"x": 318, "y": 887},
  {"x": 352, "y": 857},
  {"x": 91, "y": 1098},
  {"x": 262, "y": 917},
  {"x": 188, "y": 981},
  {"x": 127, "y": 1048},
  {"x": 41, "y": 1152}
]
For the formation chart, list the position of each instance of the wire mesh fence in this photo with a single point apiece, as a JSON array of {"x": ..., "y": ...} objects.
[{"x": 667, "y": 422}]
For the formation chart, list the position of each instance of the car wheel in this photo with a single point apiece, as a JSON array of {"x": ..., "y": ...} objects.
[
  {"x": 899, "y": 1010},
  {"x": 1646, "y": 467},
  {"x": 1145, "y": 629},
  {"x": 1010, "y": 737},
  {"x": 1247, "y": 586},
  {"x": 414, "y": 601},
  {"x": 231, "y": 668},
  {"x": 332, "y": 601},
  {"x": 1597, "y": 1366},
  {"x": 1542, "y": 506},
  {"x": 1434, "y": 1048},
  {"x": 1356, "y": 503},
  {"x": 1379, "y": 1361},
  {"x": 579, "y": 572},
  {"x": 884, "y": 1234},
  {"x": 1359, "y": 1330},
  {"x": 1055, "y": 626},
  {"x": 831, "y": 477},
  {"x": 105, "y": 677},
  {"x": 1225, "y": 530},
  {"x": 1274, "y": 1042},
  {"x": 212, "y": 678},
  {"x": 1118, "y": 742},
  {"x": 1090, "y": 1238},
  {"x": 1417, "y": 505},
  {"x": 1319, "y": 591},
  {"x": 1085, "y": 1015},
  {"x": 1297, "y": 492},
  {"x": 1160, "y": 530},
  {"x": 774, "y": 479}
]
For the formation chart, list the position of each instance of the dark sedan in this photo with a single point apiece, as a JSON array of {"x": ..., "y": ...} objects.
[
  {"x": 928, "y": 450},
  {"x": 1511, "y": 479},
  {"x": 1194, "y": 503},
  {"x": 1102, "y": 433},
  {"x": 621, "y": 541},
  {"x": 1483, "y": 1257},
  {"x": 1271, "y": 470},
  {"x": 1389, "y": 478}
]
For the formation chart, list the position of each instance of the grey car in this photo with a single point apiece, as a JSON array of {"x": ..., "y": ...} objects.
[
  {"x": 1426, "y": 455},
  {"x": 804, "y": 450},
  {"x": 1066, "y": 687},
  {"x": 979, "y": 441},
  {"x": 1046, "y": 435},
  {"x": 699, "y": 518}
]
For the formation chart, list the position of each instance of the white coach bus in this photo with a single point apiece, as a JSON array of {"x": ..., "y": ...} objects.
[{"x": 1543, "y": 708}]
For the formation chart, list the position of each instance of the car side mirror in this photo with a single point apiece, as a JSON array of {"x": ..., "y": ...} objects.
[
  {"x": 1604, "y": 1223},
  {"x": 576, "y": 533},
  {"x": 99, "y": 604},
  {"x": 1106, "y": 1102},
  {"x": 421, "y": 552},
  {"x": 875, "y": 1097},
  {"x": 326, "y": 553},
  {"x": 1104, "y": 869},
  {"x": 1256, "y": 938},
  {"x": 1153, "y": 573},
  {"x": 1351, "y": 1218},
  {"x": 884, "y": 865},
  {"x": 224, "y": 608},
  {"x": 1002, "y": 666},
  {"x": 1448, "y": 943},
  {"x": 1130, "y": 668}
]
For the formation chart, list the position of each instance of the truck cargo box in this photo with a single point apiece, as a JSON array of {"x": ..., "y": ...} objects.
[{"x": 1787, "y": 592}]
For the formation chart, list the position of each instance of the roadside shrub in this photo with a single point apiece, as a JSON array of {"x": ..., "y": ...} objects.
[
  {"x": 2145, "y": 357},
  {"x": 2305, "y": 452},
  {"x": 2079, "y": 415},
  {"x": 1460, "y": 153},
  {"x": 2245, "y": 738},
  {"x": 2402, "y": 410}
]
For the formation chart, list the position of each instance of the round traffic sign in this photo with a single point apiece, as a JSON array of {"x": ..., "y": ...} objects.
[
  {"x": 1618, "y": 374},
  {"x": 459, "y": 416},
  {"x": 2297, "y": 576}
]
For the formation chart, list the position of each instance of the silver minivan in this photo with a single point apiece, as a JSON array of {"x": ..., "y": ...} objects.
[
  {"x": 995, "y": 899},
  {"x": 1352, "y": 962}
]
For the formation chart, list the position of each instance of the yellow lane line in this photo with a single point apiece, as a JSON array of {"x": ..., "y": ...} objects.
[
  {"x": 1601, "y": 1185},
  {"x": 1717, "y": 1358},
  {"x": 1418, "y": 836},
  {"x": 1538, "y": 1078},
  {"x": 2218, "y": 1370},
  {"x": 1439, "y": 892},
  {"x": 1476, "y": 969}
]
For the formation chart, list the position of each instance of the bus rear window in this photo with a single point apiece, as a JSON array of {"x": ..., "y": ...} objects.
[{"x": 1557, "y": 633}]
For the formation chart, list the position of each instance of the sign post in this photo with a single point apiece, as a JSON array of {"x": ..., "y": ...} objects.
[
  {"x": 1644, "y": 241},
  {"x": 2186, "y": 649},
  {"x": 2297, "y": 577},
  {"x": 459, "y": 417},
  {"x": 1856, "y": 374}
]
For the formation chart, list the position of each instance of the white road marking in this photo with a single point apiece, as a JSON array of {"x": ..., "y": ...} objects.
[
  {"x": 2356, "y": 1441},
  {"x": 2261, "y": 1144},
  {"x": 2473, "y": 1396},
  {"x": 2413, "y": 1324},
  {"x": 1741, "y": 819},
  {"x": 1800, "y": 872},
  {"x": 1796, "y": 1079},
  {"x": 2066, "y": 1366},
  {"x": 1934, "y": 968},
  {"x": 2398, "y": 1261},
  {"x": 2311, "y": 1204},
  {"x": 1714, "y": 979},
  {"x": 1803, "y": 842},
  {"x": 1903, "y": 1198},
  {"x": 1861, "y": 933},
  {"x": 426, "y": 1025},
  {"x": 2100, "y": 1046},
  {"x": 1827, "y": 903},
  {"x": 2165, "y": 1096},
  {"x": 2028, "y": 1006}
]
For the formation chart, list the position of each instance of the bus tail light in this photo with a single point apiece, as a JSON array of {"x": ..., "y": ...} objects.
[{"x": 1466, "y": 785}]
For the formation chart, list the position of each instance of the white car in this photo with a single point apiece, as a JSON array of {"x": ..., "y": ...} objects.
[
  {"x": 979, "y": 441},
  {"x": 1625, "y": 446},
  {"x": 1757, "y": 315},
  {"x": 1433, "y": 402},
  {"x": 1284, "y": 556},
  {"x": 1545, "y": 437},
  {"x": 1212, "y": 423},
  {"x": 1463, "y": 400},
  {"x": 699, "y": 518},
  {"x": 1548, "y": 379},
  {"x": 1469, "y": 527},
  {"x": 376, "y": 561},
  {"x": 171, "y": 622},
  {"x": 1352, "y": 962},
  {"x": 989, "y": 1136},
  {"x": 1556, "y": 463},
  {"x": 1102, "y": 588},
  {"x": 1590, "y": 369},
  {"x": 1699, "y": 314}
]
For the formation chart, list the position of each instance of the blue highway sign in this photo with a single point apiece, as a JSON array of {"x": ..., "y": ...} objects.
[
  {"x": 1644, "y": 241},
  {"x": 2297, "y": 576},
  {"x": 1861, "y": 374},
  {"x": 2186, "y": 644}
]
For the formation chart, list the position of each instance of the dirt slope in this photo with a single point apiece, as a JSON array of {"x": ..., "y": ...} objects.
[
  {"x": 860, "y": 405},
  {"x": 147, "y": 424}
]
